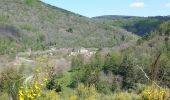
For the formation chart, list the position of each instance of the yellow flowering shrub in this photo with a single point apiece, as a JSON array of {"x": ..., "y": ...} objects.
[
  {"x": 33, "y": 89},
  {"x": 155, "y": 93}
]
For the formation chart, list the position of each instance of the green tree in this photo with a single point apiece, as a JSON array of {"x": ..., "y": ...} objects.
[
  {"x": 126, "y": 70},
  {"x": 112, "y": 62}
]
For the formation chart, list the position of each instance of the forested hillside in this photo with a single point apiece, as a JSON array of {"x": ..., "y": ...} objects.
[
  {"x": 134, "y": 24},
  {"x": 140, "y": 71},
  {"x": 33, "y": 24}
]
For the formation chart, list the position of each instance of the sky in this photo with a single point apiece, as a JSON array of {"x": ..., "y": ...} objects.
[{"x": 92, "y": 8}]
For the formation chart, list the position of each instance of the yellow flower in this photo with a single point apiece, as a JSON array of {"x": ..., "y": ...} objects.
[
  {"x": 21, "y": 93},
  {"x": 38, "y": 70},
  {"x": 28, "y": 95},
  {"x": 36, "y": 87},
  {"x": 32, "y": 97},
  {"x": 33, "y": 90},
  {"x": 21, "y": 97},
  {"x": 42, "y": 84},
  {"x": 34, "y": 94}
]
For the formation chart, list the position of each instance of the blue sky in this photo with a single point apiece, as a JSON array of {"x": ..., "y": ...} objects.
[{"x": 91, "y": 8}]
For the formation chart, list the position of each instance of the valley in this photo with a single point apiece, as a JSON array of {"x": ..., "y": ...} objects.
[{"x": 49, "y": 53}]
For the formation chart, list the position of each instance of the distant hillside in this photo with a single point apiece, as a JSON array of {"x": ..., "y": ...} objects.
[
  {"x": 137, "y": 25},
  {"x": 34, "y": 24}
]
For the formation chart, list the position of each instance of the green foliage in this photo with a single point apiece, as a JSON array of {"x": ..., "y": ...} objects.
[
  {"x": 54, "y": 84},
  {"x": 7, "y": 46},
  {"x": 70, "y": 30},
  {"x": 30, "y": 2},
  {"x": 137, "y": 25},
  {"x": 87, "y": 92},
  {"x": 138, "y": 88},
  {"x": 144, "y": 26},
  {"x": 112, "y": 62},
  {"x": 51, "y": 84},
  {"x": 91, "y": 71},
  {"x": 10, "y": 80},
  {"x": 4, "y": 96},
  {"x": 101, "y": 77},
  {"x": 165, "y": 28},
  {"x": 167, "y": 43},
  {"x": 34, "y": 42},
  {"x": 139, "y": 41},
  {"x": 88, "y": 73},
  {"x": 106, "y": 83},
  {"x": 123, "y": 38},
  {"x": 3, "y": 19},
  {"x": 164, "y": 69},
  {"x": 126, "y": 70}
]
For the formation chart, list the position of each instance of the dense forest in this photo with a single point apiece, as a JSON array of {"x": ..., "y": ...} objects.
[{"x": 134, "y": 24}]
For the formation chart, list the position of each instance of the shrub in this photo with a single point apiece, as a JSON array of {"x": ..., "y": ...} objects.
[
  {"x": 138, "y": 88},
  {"x": 50, "y": 95},
  {"x": 87, "y": 92},
  {"x": 33, "y": 89},
  {"x": 155, "y": 93},
  {"x": 139, "y": 41},
  {"x": 112, "y": 62},
  {"x": 123, "y": 38},
  {"x": 90, "y": 74},
  {"x": 52, "y": 85},
  {"x": 10, "y": 80},
  {"x": 70, "y": 30}
]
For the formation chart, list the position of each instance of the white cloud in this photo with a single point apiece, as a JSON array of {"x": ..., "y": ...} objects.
[
  {"x": 137, "y": 5},
  {"x": 168, "y": 5}
]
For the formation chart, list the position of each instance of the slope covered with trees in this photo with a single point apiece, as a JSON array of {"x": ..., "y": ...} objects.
[
  {"x": 139, "y": 72},
  {"x": 34, "y": 24},
  {"x": 134, "y": 24}
]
